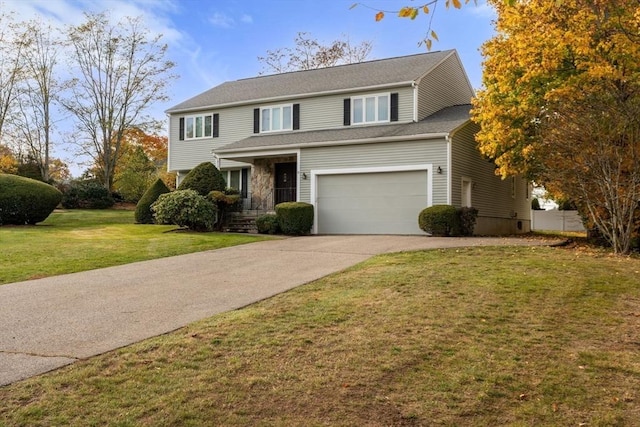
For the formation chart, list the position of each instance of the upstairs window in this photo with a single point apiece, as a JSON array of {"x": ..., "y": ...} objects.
[
  {"x": 276, "y": 118},
  {"x": 370, "y": 109},
  {"x": 200, "y": 126},
  {"x": 379, "y": 108}
]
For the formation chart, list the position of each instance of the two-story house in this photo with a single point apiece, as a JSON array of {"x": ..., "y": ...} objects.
[{"x": 369, "y": 145}]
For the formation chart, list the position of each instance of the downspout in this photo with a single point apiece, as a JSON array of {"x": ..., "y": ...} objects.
[
  {"x": 414, "y": 85},
  {"x": 448, "y": 139}
]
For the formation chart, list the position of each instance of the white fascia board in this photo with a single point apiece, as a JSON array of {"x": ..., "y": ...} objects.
[{"x": 291, "y": 97}]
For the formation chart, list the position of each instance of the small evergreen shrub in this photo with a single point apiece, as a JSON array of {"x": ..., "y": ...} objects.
[
  {"x": 226, "y": 201},
  {"x": 295, "y": 218},
  {"x": 204, "y": 179},
  {"x": 26, "y": 201},
  {"x": 185, "y": 208},
  {"x": 535, "y": 204},
  {"x": 468, "y": 217},
  {"x": 440, "y": 220},
  {"x": 143, "y": 214},
  {"x": 267, "y": 224},
  {"x": 86, "y": 194}
]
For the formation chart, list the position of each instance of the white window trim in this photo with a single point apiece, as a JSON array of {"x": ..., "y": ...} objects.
[
  {"x": 468, "y": 197},
  {"x": 271, "y": 108},
  {"x": 194, "y": 116},
  {"x": 364, "y": 115}
]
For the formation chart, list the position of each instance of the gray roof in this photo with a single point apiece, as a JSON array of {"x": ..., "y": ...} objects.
[
  {"x": 444, "y": 121},
  {"x": 344, "y": 77}
]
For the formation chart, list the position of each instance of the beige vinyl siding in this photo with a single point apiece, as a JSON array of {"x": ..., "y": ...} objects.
[
  {"x": 326, "y": 112},
  {"x": 444, "y": 86},
  {"x": 490, "y": 194},
  {"x": 377, "y": 154},
  {"x": 236, "y": 123}
]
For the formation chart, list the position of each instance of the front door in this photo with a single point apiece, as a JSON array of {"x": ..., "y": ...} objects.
[{"x": 286, "y": 182}]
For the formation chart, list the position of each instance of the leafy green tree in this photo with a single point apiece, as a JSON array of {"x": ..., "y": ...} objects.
[{"x": 204, "y": 179}]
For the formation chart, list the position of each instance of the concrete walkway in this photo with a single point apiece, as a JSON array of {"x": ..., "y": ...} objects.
[{"x": 51, "y": 322}]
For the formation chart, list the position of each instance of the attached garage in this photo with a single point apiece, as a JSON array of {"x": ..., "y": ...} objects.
[{"x": 367, "y": 201}]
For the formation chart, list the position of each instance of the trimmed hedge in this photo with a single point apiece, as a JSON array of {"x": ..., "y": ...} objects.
[
  {"x": 143, "y": 214},
  {"x": 267, "y": 224},
  {"x": 295, "y": 218},
  {"x": 440, "y": 220},
  {"x": 25, "y": 200},
  {"x": 87, "y": 194},
  {"x": 204, "y": 179},
  {"x": 185, "y": 208}
]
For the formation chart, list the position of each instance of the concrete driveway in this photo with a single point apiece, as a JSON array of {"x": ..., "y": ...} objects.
[{"x": 51, "y": 322}]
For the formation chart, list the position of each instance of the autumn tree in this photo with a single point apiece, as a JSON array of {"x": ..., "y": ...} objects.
[
  {"x": 121, "y": 71},
  {"x": 561, "y": 103},
  {"x": 8, "y": 162},
  {"x": 309, "y": 53},
  {"x": 143, "y": 159}
]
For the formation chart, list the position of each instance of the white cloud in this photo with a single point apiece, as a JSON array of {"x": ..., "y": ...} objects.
[
  {"x": 221, "y": 20},
  {"x": 247, "y": 19}
]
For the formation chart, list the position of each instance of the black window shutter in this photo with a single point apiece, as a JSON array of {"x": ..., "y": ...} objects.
[
  {"x": 245, "y": 183},
  {"x": 394, "y": 107},
  {"x": 256, "y": 120},
  {"x": 216, "y": 126},
  {"x": 181, "y": 134},
  {"x": 296, "y": 116},
  {"x": 347, "y": 111}
]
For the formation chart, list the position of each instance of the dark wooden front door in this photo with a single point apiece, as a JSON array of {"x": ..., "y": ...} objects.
[{"x": 286, "y": 182}]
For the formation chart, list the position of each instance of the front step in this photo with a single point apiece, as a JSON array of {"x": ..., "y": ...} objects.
[{"x": 241, "y": 223}]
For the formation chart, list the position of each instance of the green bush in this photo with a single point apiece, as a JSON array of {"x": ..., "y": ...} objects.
[
  {"x": 225, "y": 201},
  {"x": 185, "y": 208},
  {"x": 86, "y": 194},
  {"x": 535, "y": 204},
  {"x": 295, "y": 218},
  {"x": 468, "y": 217},
  {"x": 26, "y": 201},
  {"x": 267, "y": 224},
  {"x": 440, "y": 220},
  {"x": 204, "y": 179},
  {"x": 143, "y": 212}
]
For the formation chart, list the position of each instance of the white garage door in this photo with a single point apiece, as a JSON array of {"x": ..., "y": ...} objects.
[{"x": 371, "y": 203}]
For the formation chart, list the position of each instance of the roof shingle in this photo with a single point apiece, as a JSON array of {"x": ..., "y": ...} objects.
[{"x": 344, "y": 77}]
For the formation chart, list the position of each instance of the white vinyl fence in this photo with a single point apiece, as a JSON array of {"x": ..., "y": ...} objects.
[{"x": 555, "y": 220}]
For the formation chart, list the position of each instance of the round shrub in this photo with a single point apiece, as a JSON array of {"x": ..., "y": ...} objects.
[
  {"x": 185, "y": 208},
  {"x": 295, "y": 218},
  {"x": 86, "y": 194},
  {"x": 440, "y": 220},
  {"x": 143, "y": 214},
  {"x": 267, "y": 224},
  {"x": 25, "y": 200},
  {"x": 204, "y": 179},
  {"x": 468, "y": 216}
]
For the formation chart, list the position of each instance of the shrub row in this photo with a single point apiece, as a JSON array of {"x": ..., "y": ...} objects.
[{"x": 447, "y": 220}]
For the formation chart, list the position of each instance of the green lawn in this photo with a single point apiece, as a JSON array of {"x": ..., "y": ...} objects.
[
  {"x": 461, "y": 337},
  {"x": 77, "y": 240}
]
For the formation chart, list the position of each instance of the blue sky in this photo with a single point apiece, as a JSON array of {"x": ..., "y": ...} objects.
[{"x": 218, "y": 40}]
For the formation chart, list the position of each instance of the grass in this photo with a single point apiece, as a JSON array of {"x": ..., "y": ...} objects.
[
  {"x": 478, "y": 336},
  {"x": 78, "y": 240}
]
